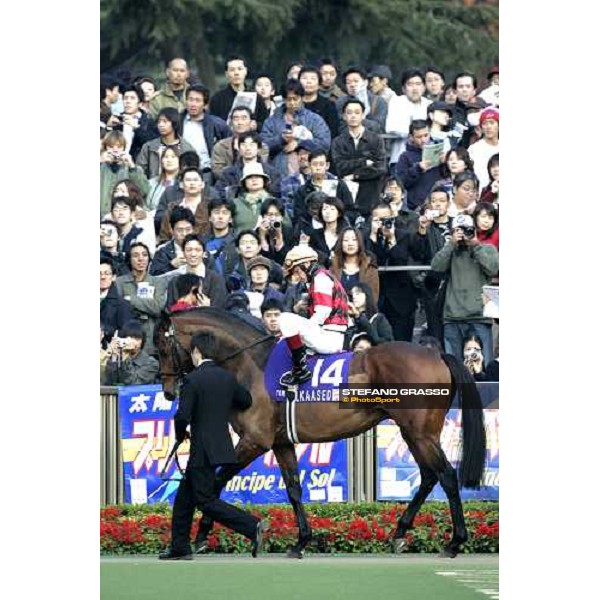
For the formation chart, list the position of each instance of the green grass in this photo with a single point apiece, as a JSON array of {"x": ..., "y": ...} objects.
[{"x": 243, "y": 578}]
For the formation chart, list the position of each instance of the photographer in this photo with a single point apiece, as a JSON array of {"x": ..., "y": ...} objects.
[
  {"x": 473, "y": 357},
  {"x": 470, "y": 265},
  {"x": 274, "y": 230},
  {"x": 129, "y": 364},
  {"x": 395, "y": 195},
  {"x": 395, "y": 246},
  {"x": 109, "y": 246}
]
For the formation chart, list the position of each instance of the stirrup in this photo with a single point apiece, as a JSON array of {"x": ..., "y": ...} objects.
[{"x": 293, "y": 377}]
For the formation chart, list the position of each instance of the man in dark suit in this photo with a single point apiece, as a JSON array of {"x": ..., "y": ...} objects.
[{"x": 207, "y": 396}]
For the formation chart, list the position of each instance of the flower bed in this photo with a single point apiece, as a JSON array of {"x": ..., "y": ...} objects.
[{"x": 364, "y": 528}]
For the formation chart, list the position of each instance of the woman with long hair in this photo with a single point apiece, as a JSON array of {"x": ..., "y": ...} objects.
[
  {"x": 331, "y": 214},
  {"x": 485, "y": 217},
  {"x": 457, "y": 161},
  {"x": 169, "y": 170},
  {"x": 491, "y": 192},
  {"x": 352, "y": 264},
  {"x": 363, "y": 310}
]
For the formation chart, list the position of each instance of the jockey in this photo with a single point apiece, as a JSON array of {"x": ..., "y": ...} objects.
[{"x": 324, "y": 331}]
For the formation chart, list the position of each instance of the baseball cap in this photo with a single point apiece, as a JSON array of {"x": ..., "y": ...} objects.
[
  {"x": 439, "y": 105},
  {"x": 382, "y": 71},
  {"x": 489, "y": 113}
]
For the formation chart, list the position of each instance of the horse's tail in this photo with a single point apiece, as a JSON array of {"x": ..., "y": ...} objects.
[{"x": 473, "y": 457}]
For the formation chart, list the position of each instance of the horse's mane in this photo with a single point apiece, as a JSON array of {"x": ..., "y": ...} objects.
[{"x": 223, "y": 315}]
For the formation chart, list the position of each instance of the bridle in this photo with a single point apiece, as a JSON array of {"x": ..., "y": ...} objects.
[{"x": 176, "y": 347}]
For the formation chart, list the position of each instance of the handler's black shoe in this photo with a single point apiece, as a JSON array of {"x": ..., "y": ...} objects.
[
  {"x": 170, "y": 555},
  {"x": 257, "y": 542}
]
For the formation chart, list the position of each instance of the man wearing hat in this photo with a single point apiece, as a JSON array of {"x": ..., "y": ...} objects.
[
  {"x": 327, "y": 306},
  {"x": 253, "y": 185},
  {"x": 259, "y": 290},
  {"x": 481, "y": 151},
  {"x": 379, "y": 81}
]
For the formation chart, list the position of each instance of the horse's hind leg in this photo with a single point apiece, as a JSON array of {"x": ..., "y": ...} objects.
[
  {"x": 288, "y": 464},
  {"x": 246, "y": 452}
]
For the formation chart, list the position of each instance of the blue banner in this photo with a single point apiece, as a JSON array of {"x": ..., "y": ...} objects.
[
  {"x": 398, "y": 476},
  {"x": 148, "y": 434}
]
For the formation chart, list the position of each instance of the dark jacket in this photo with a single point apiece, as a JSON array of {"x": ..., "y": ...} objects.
[
  {"x": 161, "y": 261},
  {"x": 378, "y": 327},
  {"x": 174, "y": 194},
  {"x": 213, "y": 286},
  {"x": 327, "y": 111},
  {"x": 221, "y": 102},
  {"x": 214, "y": 128},
  {"x": 417, "y": 182},
  {"x": 146, "y": 131},
  {"x": 141, "y": 370},
  {"x": 114, "y": 312},
  {"x": 119, "y": 264},
  {"x": 208, "y": 395},
  {"x": 350, "y": 160}
]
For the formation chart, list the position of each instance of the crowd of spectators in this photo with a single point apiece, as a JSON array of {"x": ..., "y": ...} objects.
[{"x": 203, "y": 192}]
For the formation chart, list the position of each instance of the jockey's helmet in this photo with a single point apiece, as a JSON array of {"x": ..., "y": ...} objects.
[{"x": 302, "y": 254}]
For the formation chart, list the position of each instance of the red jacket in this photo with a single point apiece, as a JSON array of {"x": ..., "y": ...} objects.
[
  {"x": 327, "y": 291},
  {"x": 493, "y": 240}
]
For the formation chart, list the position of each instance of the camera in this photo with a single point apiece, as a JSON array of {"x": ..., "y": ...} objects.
[
  {"x": 107, "y": 231},
  {"x": 473, "y": 355},
  {"x": 468, "y": 232},
  {"x": 432, "y": 214},
  {"x": 387, "y": 197},
  {"x": 388, "y": 222},
  {"x": 121, "y": 343},
  {"x": 274, "y": 223}
]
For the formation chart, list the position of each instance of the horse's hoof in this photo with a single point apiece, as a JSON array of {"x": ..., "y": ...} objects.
[
  {"x": 201, "y": 546},
  {"x": 294, "y": 552},
  {"x": 400, "y": 545},
  {"x": 448, "y": 552}
]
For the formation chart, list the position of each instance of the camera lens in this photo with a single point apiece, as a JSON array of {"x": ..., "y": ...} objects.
[{"x": 276, "y": 225}]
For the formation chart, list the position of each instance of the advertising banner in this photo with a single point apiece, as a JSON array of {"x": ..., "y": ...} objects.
[
  {"x": 148, "y": 434},
  {"x": 398, "y": 476}
]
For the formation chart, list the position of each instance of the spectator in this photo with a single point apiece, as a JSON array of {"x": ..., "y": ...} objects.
[
  {"x": 449, "y": 96},
  {"x": 145, "y": 293},
  {"x": 328, "y": 88},
  {"x": 405, "y": 109},
  {"x": 264, "y": 86},
  {"x": 148, "y": 87},
  {"x": 466, "y": 192},
  {"x": 291, "y": 183},
  {"x": 435, "y": 227},
  {"x": 220, "y": 242},
  {"x": 311, "y": 79},
  {"x": 115, "y": 166},
  {"x": 375, "y": 110},
  {"x": 212, "y": 290},
  {"x": 109, "y": 246},
  {"x": 167, "y": 177},
  {"x": 114, "y": 311},
  {"x": 138, "y": 127},
  {"x": 222, "y": 102},
  {"x": 274, "y": 230},
  {"x": 238, "y": 304},
  {"x": 123, "y": 214},
  {"x": 439, "y": 116},
  {"x": 291, "y": 123},
  {"x": 434, "y": 84},
  {"x": 129, "y": 362},
  {"x": 352, "y": 265},
  {"x": 465, "y": 85},
  {"x": 229, "y": 182},
  {"x": 259, "y": 289},
  {"x": 169, "y": 129},
  {"x": 473, "y": 357},
  {"x": 271, "y": 310},
  {"x": 363, "y": 309},
  {"x": 379, "y": 82},
  {"x": 394, "y": 247},
  {"x": 142, "y": 217},
  {"x": 491, "y": 192},
  {"x": 202, "y": 130},
  {"x": 395, "y": 195},
  {"x": 488, "y": 145},
  {"x": 417, "y": 175},
  {"x": 359, "y": 156},
  {"x": 485, "y": 217},
  {"x": 173, "y": 93},
  {"x": 169, "y": 256},
  {"x": 324, "y": 240},
  {"x": 457, "y": 161},
  {"x": 195, "y": 198},
  {"x": 293, "y": 70},
  {"x": 470, "y": 265},
  {"x": 254, "y": 184},
  {"x": 321, "y": 180},
  {"x": 361, "y": 342},
  {"x": 226, "y": 152}
]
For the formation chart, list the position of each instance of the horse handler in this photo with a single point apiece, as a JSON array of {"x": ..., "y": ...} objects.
[
  {"x": 208, "y": 394},
  {"x": 329, "y": 318}
]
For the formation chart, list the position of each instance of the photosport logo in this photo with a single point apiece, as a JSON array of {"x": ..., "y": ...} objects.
[{"x": 395, "y": 395}]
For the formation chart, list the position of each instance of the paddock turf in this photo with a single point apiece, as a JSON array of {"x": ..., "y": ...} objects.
[{"x": 347, "y": 577}]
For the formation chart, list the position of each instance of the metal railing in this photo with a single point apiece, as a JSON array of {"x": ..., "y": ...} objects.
[{"x": 111, "y": 460}]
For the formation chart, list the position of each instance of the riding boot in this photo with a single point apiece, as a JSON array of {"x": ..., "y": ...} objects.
[{"x": 300, "y": 372}]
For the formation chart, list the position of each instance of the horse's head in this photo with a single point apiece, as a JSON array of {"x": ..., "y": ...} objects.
[{"x": 173, "y": 344}]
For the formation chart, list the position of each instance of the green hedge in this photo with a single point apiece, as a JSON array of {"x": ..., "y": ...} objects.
[{"x": 339, "y": 527}]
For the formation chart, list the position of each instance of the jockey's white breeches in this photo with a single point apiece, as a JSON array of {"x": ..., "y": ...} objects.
[{"x": 321, "y": 341}]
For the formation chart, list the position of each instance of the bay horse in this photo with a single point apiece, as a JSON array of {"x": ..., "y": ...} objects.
[{"x": 244, "y": 350}]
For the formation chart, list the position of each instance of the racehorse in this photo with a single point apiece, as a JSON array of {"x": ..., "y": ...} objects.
[{"x": 244, "y": 349}]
